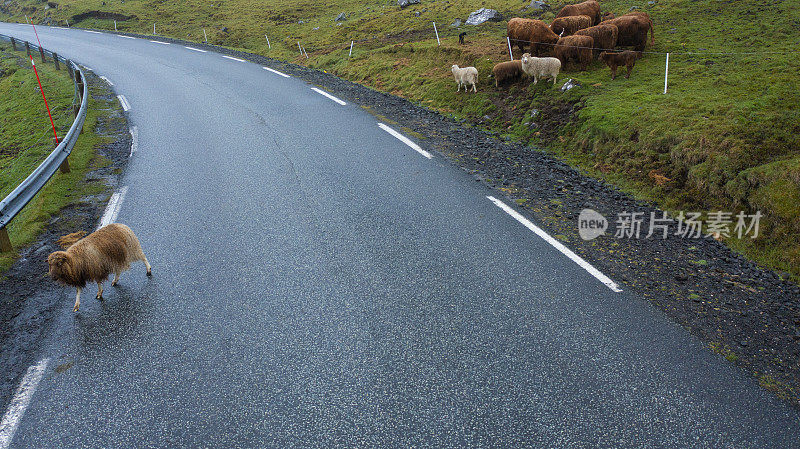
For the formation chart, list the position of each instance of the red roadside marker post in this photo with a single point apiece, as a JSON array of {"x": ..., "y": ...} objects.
[{"x": 65, "y": 166}]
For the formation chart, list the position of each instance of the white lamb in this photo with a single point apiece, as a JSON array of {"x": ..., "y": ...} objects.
[
  {"x": 541, "y": 67},
  {"x": 465, "y": 76}
]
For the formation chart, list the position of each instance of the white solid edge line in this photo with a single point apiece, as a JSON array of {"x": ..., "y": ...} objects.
[
  {"x": 134, "y": 140},
  {"x": 114, "y": 205},
  {"x": 235, "y": 59},
  {"x": 405, "y": 140},
  {"x": 19, "y": 403},
  {"x": 322, "y": 92},
  {"x": 195, "y": 49},
  {"x": 159, "y": 42},
  {"x": 126, "y": 37},
  {"x": 93, "y": 32},
  {"x": 124, "y": 102},
  {"x": 276, "y": 72},
  {"x": 557, "y": 245},
  {"x": 106, "y": 80}
]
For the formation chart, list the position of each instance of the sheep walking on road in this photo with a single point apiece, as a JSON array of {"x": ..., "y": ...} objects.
[
  {"x": 110, "y": 249},
  {"x": 541, "y": 67},
  {"x": 465, "y": 76}
]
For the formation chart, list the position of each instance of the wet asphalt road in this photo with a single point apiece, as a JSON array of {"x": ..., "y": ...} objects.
[{"x": 317, "y": 283}]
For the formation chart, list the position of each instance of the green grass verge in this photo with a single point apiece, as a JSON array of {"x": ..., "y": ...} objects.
[
  {"x": 726, "y": 136},
  {"x": 23, "y": 120}
]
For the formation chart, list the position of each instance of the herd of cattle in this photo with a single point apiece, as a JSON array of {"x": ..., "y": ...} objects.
[{"x": 579, "y": 34}]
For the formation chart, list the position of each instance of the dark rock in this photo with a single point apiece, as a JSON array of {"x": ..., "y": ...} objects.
[
  {"x": 484, "y": 15},
  {"x": 571, "y": 83},
  {"x": 538, "y": 5}
]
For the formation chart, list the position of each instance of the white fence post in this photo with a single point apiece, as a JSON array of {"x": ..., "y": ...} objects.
[
  {"x": 205, "y": 37},
  {"x": 508, "y": 39},
  {"x": 115, "y": 25},
  {"x": 300, "y": 48},
  {"x": 305, "y": 52},
  {"x": 351, "y": 49},
  {"x": 438, "y": 43},
  {"x": 154, "y": 29},
  {"x": 268, "y": 45},
  {"x": 666, "y": 74}
]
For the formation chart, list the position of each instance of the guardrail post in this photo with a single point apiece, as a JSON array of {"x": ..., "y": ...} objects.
[
  {"x": 64, "y": 167},
  {"x": 5, "y": 242},
  {"x": 71, "y": 72},
  {"x": 28, "y": 48},
  {"x": 14, "y": 44},
  {"x": 55, "y": 61},
  {"x": 41, "y": 53}
]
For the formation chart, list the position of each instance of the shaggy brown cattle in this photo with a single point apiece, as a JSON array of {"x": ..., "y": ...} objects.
[
  {"x": 110, "y": 249},
  {"x": 566, "y": 26},
  {"x": 506, "y": 71},
  {"x": 633, "y": 30},
  {"x": 576, "y": 47},
  {"x": 588, "y": 8},
  {"x": 529, "y": 31},
  {"x": 614, "y": 60},
  {"x": 607, "y": 16},
  {"x": 604, "y": 35}
]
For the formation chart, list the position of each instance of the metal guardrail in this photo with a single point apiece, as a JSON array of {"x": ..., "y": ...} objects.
[{"x": 12, "y": 204}]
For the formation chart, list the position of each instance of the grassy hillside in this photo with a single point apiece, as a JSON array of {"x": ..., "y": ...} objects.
[
  {"x": 26, "y": 140},
  {"x": 724, "y": 137}
]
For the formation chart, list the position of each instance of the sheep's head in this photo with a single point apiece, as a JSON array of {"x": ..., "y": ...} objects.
[
  {"x": 454, "y": 68},
  {"x": 60, "y": 267}
]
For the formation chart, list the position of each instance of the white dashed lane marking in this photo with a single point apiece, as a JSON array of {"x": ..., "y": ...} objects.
[
  {"x": 276, "y": 72},
  {"x": 19, "y": 403},
  {"x": 114, "y": 205},
  {"x": 405, "y": 140},
  {"x": 329, "y": 96},
  {"x": 124, "y": 102},
  {"x": 557, "y": 245}
]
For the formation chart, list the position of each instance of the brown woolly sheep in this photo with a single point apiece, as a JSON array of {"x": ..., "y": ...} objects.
[
  {"x": 508, "y": 70},
  {"x": 605, "y": 36},
  {"x": 566, "y": 26},
  {"x": 633, "y": 30},
  {"x": 110, "y": 249},
  {"x": 530, "y": 31},
  {"x": 614, "y": 60},
  {"x": 575, "y": 47},
  {"x": 589, "y": 8}
]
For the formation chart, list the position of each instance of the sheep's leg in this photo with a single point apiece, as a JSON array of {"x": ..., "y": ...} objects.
[
  {"x": 147, "y": 265},
  {"x": 628, "y": 75},
  {"x": 99, "y": 291},
  {"x": 474, "y": 89},
  {"x": 116, "y": 279},
  {"x": 535, "y": 79},
  {"x": 77, "y": 301},
  {"x": 554, "y": 79},
  {"x": 613, "y": 72}
]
